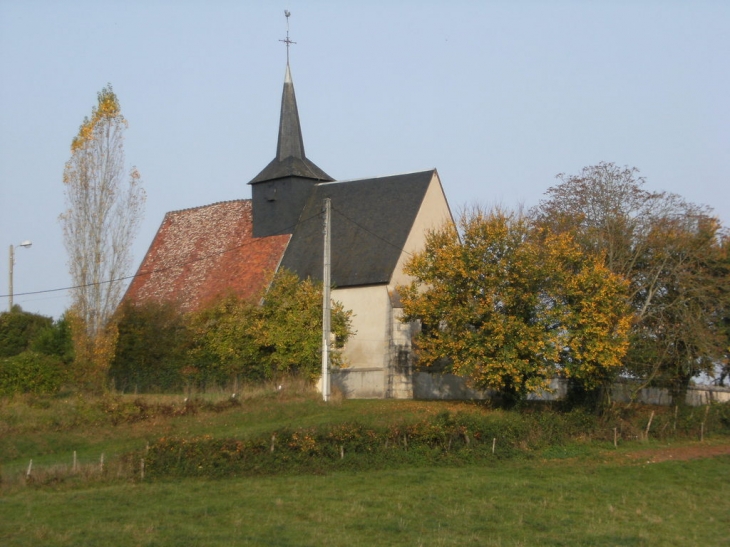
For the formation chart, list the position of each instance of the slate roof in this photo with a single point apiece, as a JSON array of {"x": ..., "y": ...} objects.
[
  {"x": 291, "y": 167},
  {"x": 290, "y": 160},
  {"x": 371, "y": 220},
  {"x": 198, "y": 254}
]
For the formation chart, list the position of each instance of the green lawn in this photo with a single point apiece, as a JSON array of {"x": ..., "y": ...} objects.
[{"x": 542, "y": 503}]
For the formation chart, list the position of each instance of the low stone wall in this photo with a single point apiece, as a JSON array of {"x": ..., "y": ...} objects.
[
  {"x": 370, "y": 383},
  {"x": 696, "y": 395},
  {"x": 430, "y": 386},
  {"x": 359, "y": 383}
]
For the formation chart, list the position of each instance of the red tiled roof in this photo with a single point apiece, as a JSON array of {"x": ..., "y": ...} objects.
[{"x": 203, "y": 252}]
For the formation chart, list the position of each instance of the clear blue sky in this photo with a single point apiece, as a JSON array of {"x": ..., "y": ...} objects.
[{"x": 499, "y": 96}]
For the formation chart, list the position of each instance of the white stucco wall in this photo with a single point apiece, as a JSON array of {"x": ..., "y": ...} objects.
[
  {"x": 433, "y": 214},
  {"x": 373, "y": 355},
  {"x": 370, "y": 306}
]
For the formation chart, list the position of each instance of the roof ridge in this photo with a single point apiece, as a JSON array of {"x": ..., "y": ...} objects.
[
  {"x": 432, "y": 170},
  {"x": 208, "y": 205}
]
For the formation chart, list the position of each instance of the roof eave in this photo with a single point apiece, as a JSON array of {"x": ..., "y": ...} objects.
[{"x": 291, "y": 167}]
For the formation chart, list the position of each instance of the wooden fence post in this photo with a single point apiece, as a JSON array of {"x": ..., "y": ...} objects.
[{"x": 648, "y": 426}]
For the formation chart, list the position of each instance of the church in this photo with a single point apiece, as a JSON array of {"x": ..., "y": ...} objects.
[{"x": 236, "y": 246}]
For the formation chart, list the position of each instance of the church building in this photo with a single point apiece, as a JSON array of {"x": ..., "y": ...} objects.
[{"x": 236, "y": 246}]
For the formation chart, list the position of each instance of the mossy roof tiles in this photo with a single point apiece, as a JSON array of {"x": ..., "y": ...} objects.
[{"x": 204, "y": 252}]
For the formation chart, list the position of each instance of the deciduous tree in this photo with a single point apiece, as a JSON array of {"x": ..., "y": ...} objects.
[
  {"x": 289, "y": 327},
  {"x": 510, "y": 306},
  {"x": 104, "y": 208},
  {"x": 264, "y": 340},
  {"x": 668, "y": 249}
]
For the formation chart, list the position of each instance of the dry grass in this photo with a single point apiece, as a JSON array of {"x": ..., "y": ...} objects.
[{"x": 50, "y": 429}]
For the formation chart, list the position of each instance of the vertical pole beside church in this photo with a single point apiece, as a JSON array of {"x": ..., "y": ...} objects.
[{"x": 326, "y": 303}]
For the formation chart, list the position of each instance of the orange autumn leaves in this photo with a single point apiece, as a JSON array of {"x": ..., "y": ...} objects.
[
  {"x": 106, "y": 110},
  {"x": 510, "y": 305}
]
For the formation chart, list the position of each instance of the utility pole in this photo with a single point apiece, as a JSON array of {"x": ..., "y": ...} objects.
[
  {"x": 11, "y": 263},
  {"x": 326, "y": 302}
]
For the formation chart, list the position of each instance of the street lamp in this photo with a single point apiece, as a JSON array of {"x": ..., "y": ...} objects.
[{"x": 25, "y": 244}]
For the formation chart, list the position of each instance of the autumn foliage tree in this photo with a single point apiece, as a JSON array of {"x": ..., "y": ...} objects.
[
  {"x": 510, "y": 306},
  {"x": 104, "y": 207},
  {"x": 673, "y": 254},
  {"x": 723, "y": 266},
  {"x": 281, "y": 335}
]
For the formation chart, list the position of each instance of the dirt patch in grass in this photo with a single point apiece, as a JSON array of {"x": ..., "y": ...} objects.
[{"x": 680, "y": 453}]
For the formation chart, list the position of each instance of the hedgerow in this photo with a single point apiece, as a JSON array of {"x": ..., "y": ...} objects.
[
  {"x": 453, "y": 438},
  {"x": 460, "y": 437}
]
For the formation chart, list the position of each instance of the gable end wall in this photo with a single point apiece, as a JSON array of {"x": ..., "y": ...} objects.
[{"x": 378, "y": 357}]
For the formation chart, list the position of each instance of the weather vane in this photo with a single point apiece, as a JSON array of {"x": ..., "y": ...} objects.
[{"x": 287, "y": 14}]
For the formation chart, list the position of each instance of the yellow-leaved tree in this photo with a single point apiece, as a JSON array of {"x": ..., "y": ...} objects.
[
  {"x": 675, "y": 256},
  {"x": 104, "y": 208},
  {"x": 510, "y": 306},
  {"x": 280, "y": 336}
]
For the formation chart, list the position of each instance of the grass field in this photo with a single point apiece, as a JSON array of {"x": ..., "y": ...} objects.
[{"x": 581, "y": 493}]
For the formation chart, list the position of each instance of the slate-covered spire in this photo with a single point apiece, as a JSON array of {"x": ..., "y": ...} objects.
[
  {"x": 290, "y": 160},
  {"x": 290, "y": 131}
]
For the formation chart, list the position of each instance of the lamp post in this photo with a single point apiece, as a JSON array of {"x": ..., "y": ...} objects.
[{"x": 11, "y": 263}]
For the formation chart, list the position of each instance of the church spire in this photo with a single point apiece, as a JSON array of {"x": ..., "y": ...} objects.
[
  {"x": 290, "y": 132},
  {"x": 290, "y": 141},
  {"x": 290, "y": 160}
]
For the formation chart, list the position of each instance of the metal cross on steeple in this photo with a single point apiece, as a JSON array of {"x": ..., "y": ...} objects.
[{"x": 287, "y": 14}]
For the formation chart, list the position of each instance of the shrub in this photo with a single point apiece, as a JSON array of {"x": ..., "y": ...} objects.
[
  {"x": 461, "y": 437},
  {"x": 151, "y": 349},
  {"x": 281, "y": 336},
  {"x": 18, "y": 329},
  {"x": 55, "y": 339},
  {"x": 445, "y": 438},
  {"x": 224, "y": 344},
  {"x": 31, "y": 372}
]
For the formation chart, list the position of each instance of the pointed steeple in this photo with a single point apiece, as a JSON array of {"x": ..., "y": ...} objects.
[
  {"x": 290, "y": 132},
  {"x": 290, "y": 160}
]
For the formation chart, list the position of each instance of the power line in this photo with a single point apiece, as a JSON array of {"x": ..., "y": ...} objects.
[
  {"x": 287, "y": 230},
  {"x": 284, "y": 231},
  {"x": 401, "y": 249}
]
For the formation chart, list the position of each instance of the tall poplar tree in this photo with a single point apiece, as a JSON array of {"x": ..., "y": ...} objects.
[{"x": 104, "y": 208}]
